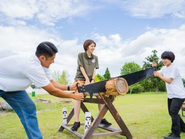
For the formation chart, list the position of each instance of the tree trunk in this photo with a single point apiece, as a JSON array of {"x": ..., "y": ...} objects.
[
  {"x": 130, "y": 91},
  {"x": 156, "y": 87}
]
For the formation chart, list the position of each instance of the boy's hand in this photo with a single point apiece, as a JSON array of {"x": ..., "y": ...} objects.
[
  {"x": 154, "y": 64},
  {"x": 78, "y": 96},
  {"x": 157, "y": 74},
  {"x": 74, "y": 85}
]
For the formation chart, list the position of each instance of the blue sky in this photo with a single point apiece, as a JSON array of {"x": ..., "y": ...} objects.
[{"x": 124, "y": 30}]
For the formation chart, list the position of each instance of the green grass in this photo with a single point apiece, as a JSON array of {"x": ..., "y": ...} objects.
[{"x": 145, "y": 115}]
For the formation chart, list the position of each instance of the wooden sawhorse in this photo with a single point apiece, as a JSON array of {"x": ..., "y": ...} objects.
[{"x": 107, "y": 101}]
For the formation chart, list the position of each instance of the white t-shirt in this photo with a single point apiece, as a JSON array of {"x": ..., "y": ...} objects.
[
  {"x": 19, "y": 72},
  {"x": 176, "y": 88}
]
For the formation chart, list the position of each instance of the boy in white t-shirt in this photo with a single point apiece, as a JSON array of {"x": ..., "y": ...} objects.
[
  {"x": 176, "y": 92},
  {"x": 18, "y": 72}
]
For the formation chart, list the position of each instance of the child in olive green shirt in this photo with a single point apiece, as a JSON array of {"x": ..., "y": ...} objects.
[{"x": 87, "y": 65}]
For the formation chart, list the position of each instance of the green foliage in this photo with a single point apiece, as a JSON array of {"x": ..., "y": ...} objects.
[
  {"x": 150, "y": 59},
  {"x": 107, "y": 74},
  {"x": 99, "y": 78},
  {"x": 64, "y": 78},
  {"x": 153, "y": 83},
  {"x": 129, "y": 68},
  {"x": 59, "y": 77},
  {"x": 136, "y": 88}
]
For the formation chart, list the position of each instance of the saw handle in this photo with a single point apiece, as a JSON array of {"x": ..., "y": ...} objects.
[
  {"x": 155, "y": 68},
  {"x": 80, "y": 88}
]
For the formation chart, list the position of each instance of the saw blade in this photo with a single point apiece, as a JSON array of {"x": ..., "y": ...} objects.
[{"x": 131, "y": 78}]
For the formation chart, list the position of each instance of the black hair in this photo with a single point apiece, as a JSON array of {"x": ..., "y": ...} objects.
[
  {"x": 47, "y": 49},
  {"x": 168, "y": 55}
]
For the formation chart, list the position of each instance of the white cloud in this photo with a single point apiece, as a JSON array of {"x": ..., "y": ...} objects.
[
  {"x": 24, "y": 40},
  {"x": 47, "y": 12},
  {"x": 52, "y": 11},
  {"x": 141, "y": 43},
  {"x": 113, "y": 51},
  {"x": 152, "y": 8},
  {"x": 114, "y": 55},
  {"x": 18, "y": 8}
]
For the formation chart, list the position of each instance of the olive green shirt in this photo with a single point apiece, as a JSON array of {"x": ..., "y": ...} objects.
[{"x": 88, "y": 63}]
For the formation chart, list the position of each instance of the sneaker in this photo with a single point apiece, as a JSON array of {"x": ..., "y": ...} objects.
[
  {"x": 172, "y": 136},
  {"x": 105, "y": 123},
  {"x": 169, "y": 134},
  {"x": 75, "y": 127},
  {"x": 182, "y": 129}
]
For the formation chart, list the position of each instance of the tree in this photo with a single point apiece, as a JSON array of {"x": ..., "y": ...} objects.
[
  {"x": 129, "y": 68},
  {"x": 153, "y": 83},
  {"x": 150, "y": 59},
  {"x": 107, "y": 74},
  {"x": 64, "y": 77},
  {"x": 136, "y": 88},
  {"x": 99, "y": 78},
  {"x": 59, "y": 77}
]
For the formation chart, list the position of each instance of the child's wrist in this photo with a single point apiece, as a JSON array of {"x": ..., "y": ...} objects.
[{"x": 87, "y": 79}]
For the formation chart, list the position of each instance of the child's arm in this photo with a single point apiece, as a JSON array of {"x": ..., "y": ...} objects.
[
  {"x": 167, "y": 80},
  {"x": 80, "y": 64},
  {"x": 94, "y": 73},
  {"x": 157, "y": 74},
  {"x": 85, "y": 75}
]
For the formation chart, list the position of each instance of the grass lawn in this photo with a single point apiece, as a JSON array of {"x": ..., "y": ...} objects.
[{"x": 145, "y": 115}]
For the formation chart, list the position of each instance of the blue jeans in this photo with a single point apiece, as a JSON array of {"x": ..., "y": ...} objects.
[{"x": 25, "y": 109}]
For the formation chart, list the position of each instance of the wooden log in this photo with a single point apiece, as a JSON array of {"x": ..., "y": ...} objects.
[{"x": 116, "y": 86}]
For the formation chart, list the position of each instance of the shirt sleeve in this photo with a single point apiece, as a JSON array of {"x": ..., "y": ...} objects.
[
  {"x": 174, "y": 73},
  {"x": 48, "y": 73},
  {"x": 97, "y": 63},
  {"x": 38, "y": 76},
  {"x": 80, "y": 60}
]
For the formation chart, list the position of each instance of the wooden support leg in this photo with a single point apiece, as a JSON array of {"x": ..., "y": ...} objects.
[
  {"x": 84, "y": 108},
  {"x": 117, "y": 117},
  {"x": 70, "y": 115},
  {"x": 107, "y": 101},
  {"x": 95, "y": 123},
  {"x": 61, "y": 128}
]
